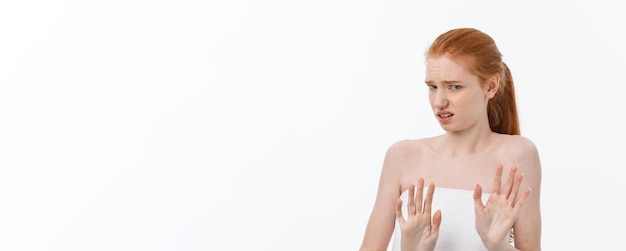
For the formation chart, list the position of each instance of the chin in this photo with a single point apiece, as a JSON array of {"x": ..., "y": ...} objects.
[{"x": 448, "y": 128}]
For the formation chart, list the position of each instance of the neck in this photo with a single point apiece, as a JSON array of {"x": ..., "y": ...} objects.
[{"x": 466, "y": 142}]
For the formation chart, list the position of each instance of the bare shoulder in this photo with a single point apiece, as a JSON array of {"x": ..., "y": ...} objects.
[
  {"x": 401, "y": 157},
  {"x": 518, "y": 146},
  {"x": 523, "y": 152},
  {"x": 408, "y": 148}
]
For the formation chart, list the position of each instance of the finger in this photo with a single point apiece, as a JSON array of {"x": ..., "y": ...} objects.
[
  {"x": 429, "y": 199},
  {"x": 434, "y": 228},
  {"x": 420, "y": 195},
  {"x": 399, "y": 211},
  {"x": 478, "y": 192},
  {"x": 516, "y": 186},
  {"x": 411, "y": 199},
  {"x": 497, "y": 180},
  {"x": 509, "y": 182},
  {"x": 521, "y": 200}
]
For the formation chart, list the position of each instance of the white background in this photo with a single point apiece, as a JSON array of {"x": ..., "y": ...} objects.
[{"x": 262, "y": 125}]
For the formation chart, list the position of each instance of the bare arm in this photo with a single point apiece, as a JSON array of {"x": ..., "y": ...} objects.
[
  {"x": 527, "y": 224},
  {"x": 527, "y": 227},
  {"x": 382, "y": 219}
]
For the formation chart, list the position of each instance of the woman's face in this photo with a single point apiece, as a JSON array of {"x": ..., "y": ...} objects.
[{"x": 457, "y": 98}]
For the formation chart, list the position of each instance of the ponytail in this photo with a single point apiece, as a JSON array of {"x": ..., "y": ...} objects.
[
  {"x": 481, "y": 55},
  {"x": 502, "y": 108}
]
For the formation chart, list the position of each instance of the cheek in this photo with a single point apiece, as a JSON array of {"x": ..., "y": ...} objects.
[
  {"x": 461, "y": 100},
  {"x": 432, "y": 101},
  {"x": 477, "y": 101},
  {"x": 468, "y": 101}
]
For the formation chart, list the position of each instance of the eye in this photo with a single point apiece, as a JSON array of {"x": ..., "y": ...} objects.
[
  {"x": 455, "y": 87},
  {"x": 431, "y": 86}
]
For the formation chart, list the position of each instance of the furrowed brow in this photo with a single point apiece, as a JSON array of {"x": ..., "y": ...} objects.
[
  {"x": 451, "y": 82},
  {"x": 445, "y": 82}
]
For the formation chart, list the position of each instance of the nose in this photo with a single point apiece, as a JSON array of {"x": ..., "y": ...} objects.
[{"x": 439, "y": 99}]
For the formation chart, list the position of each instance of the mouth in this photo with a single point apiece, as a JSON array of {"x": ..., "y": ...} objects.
[{"x": 445, "y": 114}]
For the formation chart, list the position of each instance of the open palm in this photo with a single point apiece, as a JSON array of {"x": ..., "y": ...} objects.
[{"x": 495, "y": 218}]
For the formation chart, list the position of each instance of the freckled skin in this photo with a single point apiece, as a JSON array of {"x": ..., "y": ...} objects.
[
  {"x": 453, "y": 88},
  {"x": 466, "y": 154}
]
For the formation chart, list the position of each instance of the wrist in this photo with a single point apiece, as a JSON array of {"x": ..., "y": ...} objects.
[{"x": 500, "y": 246}]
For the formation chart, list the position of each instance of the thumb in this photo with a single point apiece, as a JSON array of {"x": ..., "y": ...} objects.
[{"x": 478, "y": 191}]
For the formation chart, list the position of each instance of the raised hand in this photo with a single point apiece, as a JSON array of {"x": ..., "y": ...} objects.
[
  {"x": 419, "y": 230},
  {"x": 495, "y": 219}
]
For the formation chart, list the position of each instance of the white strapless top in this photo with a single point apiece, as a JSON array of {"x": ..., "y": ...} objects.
[{"x": 457, "y": 231}]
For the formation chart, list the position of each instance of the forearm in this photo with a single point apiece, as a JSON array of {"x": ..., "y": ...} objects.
[
  {"x": 367, "y": 248},
  {"x": 502, "y": 246}
]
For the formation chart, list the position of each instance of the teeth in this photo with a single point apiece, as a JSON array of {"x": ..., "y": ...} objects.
[{"x": 445, "y": 115}]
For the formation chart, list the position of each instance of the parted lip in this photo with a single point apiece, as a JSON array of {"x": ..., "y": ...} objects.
[{"x": 444, "y": 114}]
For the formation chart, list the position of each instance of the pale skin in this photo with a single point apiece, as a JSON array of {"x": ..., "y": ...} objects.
[{"x": 467, "y": 156}]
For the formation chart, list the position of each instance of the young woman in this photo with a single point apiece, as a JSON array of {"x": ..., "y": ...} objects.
[{"x": 475, "y": 187}]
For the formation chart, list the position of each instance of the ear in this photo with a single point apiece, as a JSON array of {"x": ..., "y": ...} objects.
[{"x": 493, "y": 84}]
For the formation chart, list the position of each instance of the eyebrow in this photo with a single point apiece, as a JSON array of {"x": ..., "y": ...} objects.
[{"x": 445, "y": 82}]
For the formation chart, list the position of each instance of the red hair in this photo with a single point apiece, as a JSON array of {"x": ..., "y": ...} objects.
[{"x": 481, "y": 56}]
